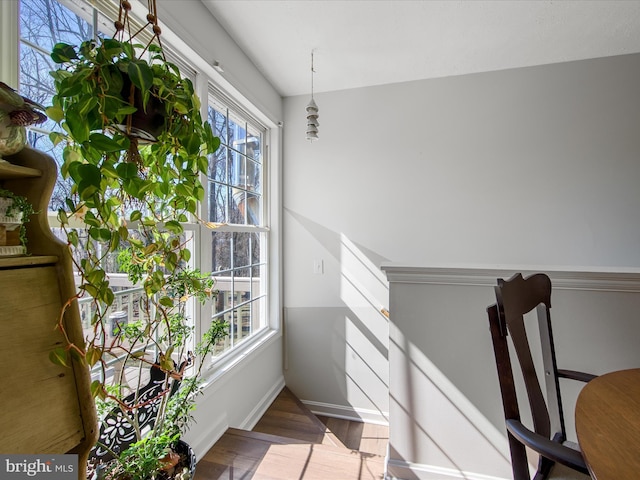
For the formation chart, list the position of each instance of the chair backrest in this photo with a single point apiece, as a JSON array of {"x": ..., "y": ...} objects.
[{"x": 515, "y": 298}]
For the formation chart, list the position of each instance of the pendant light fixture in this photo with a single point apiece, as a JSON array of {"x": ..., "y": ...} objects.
[{"x": 312, "y": 111}]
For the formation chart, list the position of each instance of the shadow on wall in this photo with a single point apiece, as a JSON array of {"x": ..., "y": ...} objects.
[
  {"x": 346, "y": 358},
  {"x": 433, "y": 421},
  {"x": 353, "y": 331}
]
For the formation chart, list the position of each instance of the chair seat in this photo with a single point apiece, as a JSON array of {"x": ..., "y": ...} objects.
[{"x": 560, "y": 472}]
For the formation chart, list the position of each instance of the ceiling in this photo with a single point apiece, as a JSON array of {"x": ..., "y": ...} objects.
[{"x": 359, "y": 43}]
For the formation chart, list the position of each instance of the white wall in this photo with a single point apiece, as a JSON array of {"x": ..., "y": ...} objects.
[
  {"x": 532, "y": 166},
  {"x": 422, "y": 172}
]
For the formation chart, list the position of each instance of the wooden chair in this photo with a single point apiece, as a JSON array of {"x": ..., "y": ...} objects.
[{"x": 515, "y": 298}]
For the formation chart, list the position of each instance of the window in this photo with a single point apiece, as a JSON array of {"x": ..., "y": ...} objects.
[
  {"x": 43, "y": 23},
  {"x": 236, "y": 251},
  {"x": 235, "y": 201}
]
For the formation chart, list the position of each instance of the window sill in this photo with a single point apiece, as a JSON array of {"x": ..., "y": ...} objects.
[{"x": 224, "y": 366}]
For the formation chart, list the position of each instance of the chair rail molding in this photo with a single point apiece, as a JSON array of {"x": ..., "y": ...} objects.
[{"x": 607, "y": 279}]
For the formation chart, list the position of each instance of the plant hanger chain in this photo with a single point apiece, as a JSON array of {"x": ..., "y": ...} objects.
[{"x": 124, "y": 23}]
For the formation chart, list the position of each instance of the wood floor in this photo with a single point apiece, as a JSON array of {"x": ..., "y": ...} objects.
[{"x": 290, "y": 443}]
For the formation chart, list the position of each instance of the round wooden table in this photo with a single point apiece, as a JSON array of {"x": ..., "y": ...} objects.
[{"x": 608, "y": 425}]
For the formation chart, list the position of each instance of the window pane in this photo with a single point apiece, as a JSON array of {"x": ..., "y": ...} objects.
[
  {"x": 35, "y": 82},
  {"x": 254, "y": 208},
  {"x": 257, "y": 239},
  {"x": 242, "y": 148},
  {"x": 219, "y": 124},
  {"x": 221, "y": 252},
  {"x": 218, "y": 165},
  {"x": 218, "y": 202},
  {"x": 241, "y": 252},
  {"x": 43, "y": 23},
  {"x": 237, "y": 135},
  {"x": 46, "y": 22},
  {"x": 62, "y": 187},
  {"x": 238, "y": 169}
]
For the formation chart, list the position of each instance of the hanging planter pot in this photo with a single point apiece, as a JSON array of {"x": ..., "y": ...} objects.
[{"x": 147, "y": 122}]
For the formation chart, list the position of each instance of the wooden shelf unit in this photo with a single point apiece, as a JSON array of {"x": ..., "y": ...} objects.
[
  {"x": 9, "y": 170},
  {"x": 46, "y": 408}
]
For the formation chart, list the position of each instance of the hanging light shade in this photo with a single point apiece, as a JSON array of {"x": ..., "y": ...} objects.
[
  {"x": 312, "y": 111},
  {"x": 312, "y": 120}
]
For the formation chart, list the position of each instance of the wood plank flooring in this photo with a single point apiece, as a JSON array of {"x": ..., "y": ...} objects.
[{"x": 290, "y": 443}]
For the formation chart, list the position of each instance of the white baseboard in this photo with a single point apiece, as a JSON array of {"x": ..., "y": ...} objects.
[
  {"x": 401, "y": 470},
  {"x": 262, "y": 406},
  {"x": 348, "y": 413},
  {"x": 209, "y": 436},
  {"x": 203, "y": 443}
]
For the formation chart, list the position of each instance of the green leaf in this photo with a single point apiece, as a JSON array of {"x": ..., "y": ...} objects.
[
  {"x": 91, "y": 220},
  {"x": 63, "y": 218},
  {"x": 171, "y": 261},
  {"x": 87, "y": 104},
  {"x": 140, "y": 74},
  {"x": 104, "y": 143},
  {"x": 55, "y": 113},
  {"x": 56, "y": 137},
  {"x": 124, "y": 233},
  {"x": 95, "y": 276},
  {"x": 135, "y": 215},
  {"x": 100, "y": 234},
  {"x": 89, "y": 173},
  {"x": 174, "y": 226},
  {"x": 93, "y": 355},
  {"x": 166, "y": 302},
  {"x": 86, "y": 190},
  {"x": 105, "y": 235},
  {"x": 150, "y": 249},
  {"x": 166, "y": 363},
  {"x": 90, "y": 289},
  {"x": 72, "y": 236},
  {"x": 63, "y": 52},
  {"x": 97, "y": 390},
  {"x": 124, "y": 111},
  {"x": 108, "y": 296},
  {"x": 77, "y": 124},
  {"x": 135, "y": 242},
  {"x": 70, "y": 87},
  {"x": 59, "y": 356},
  {"x": 127, "y": 170},
  {"x": 111, "y": 47}
]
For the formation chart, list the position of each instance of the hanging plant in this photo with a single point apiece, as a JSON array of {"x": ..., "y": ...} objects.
[{"x": 134, "y": 191}]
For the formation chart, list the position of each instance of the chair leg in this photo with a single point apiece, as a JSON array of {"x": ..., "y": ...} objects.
[
  {"x": 519, "y": 463},
  {"x": 544, "y": 468}
]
